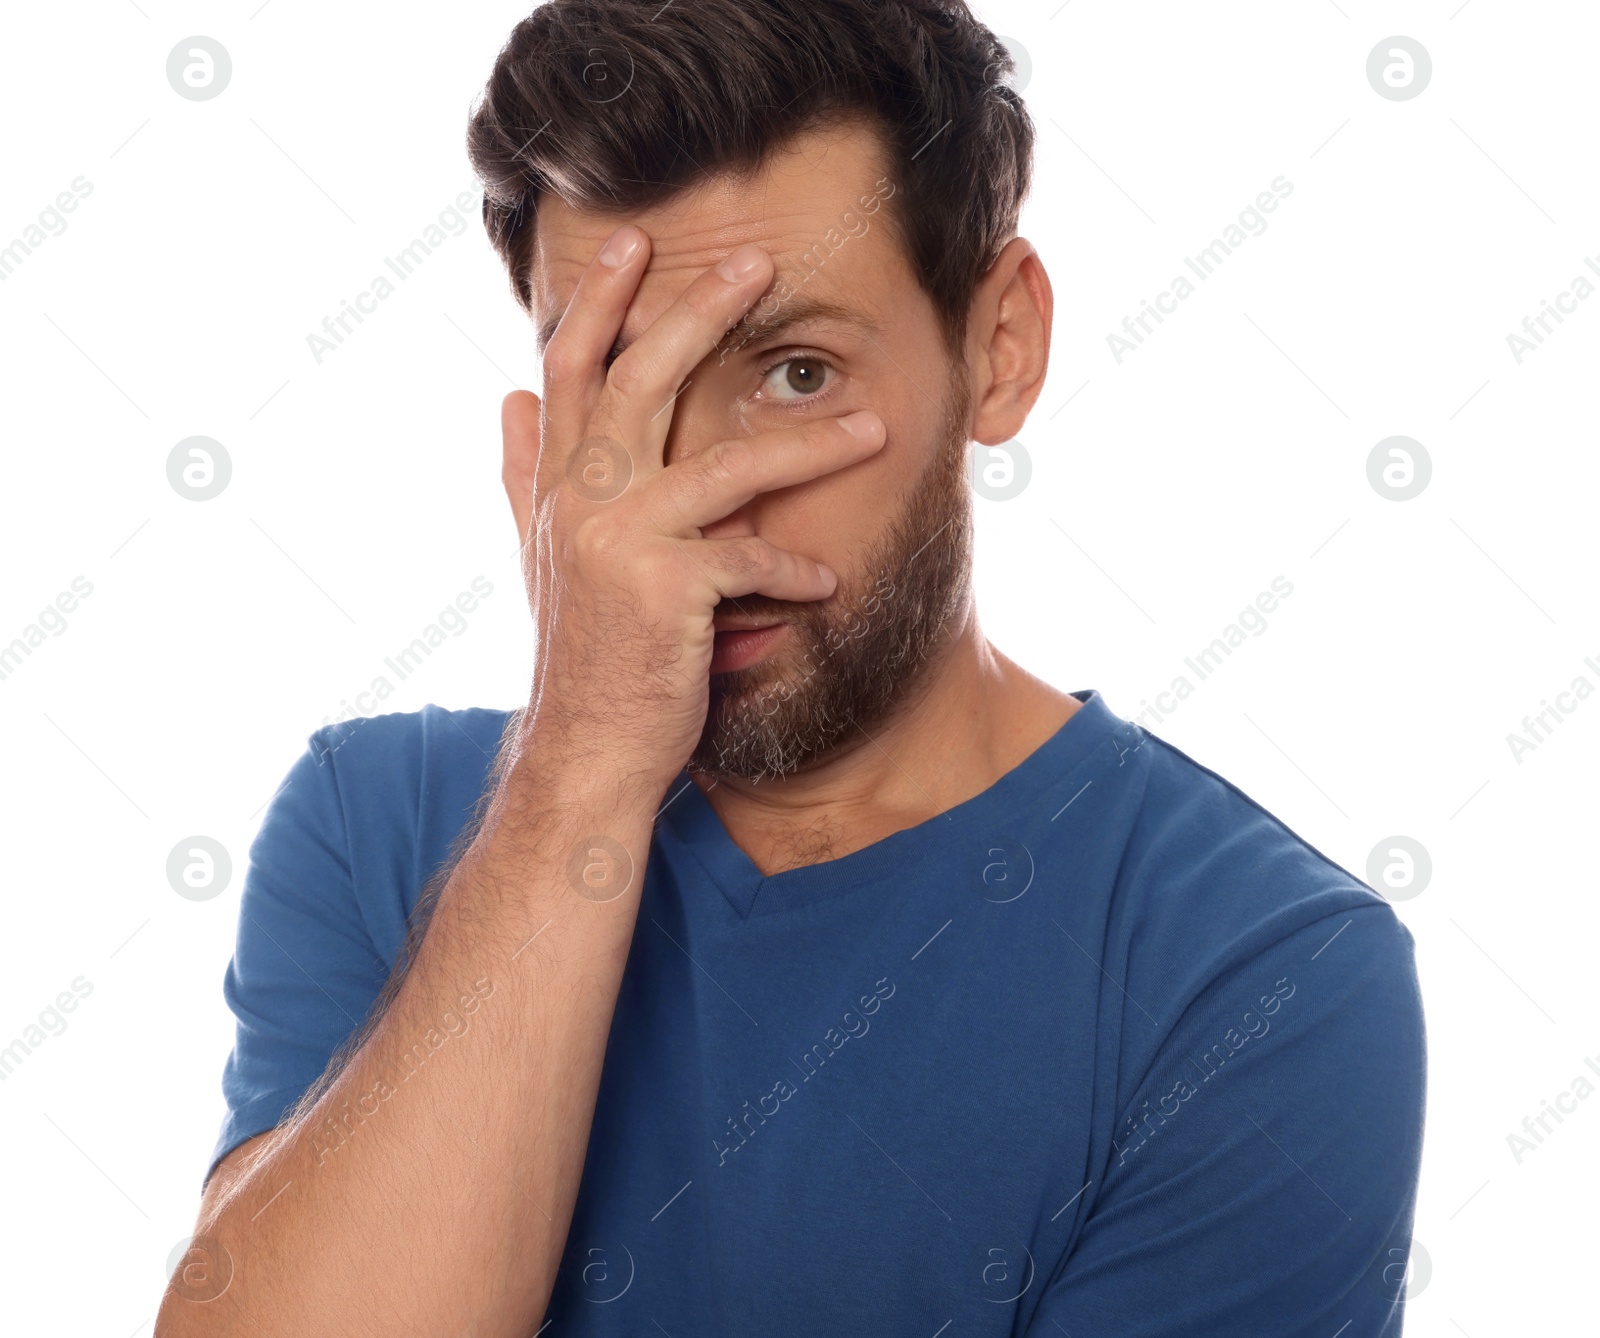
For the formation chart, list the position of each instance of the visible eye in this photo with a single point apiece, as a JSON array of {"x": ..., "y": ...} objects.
[{"x": 796, "y": 378}]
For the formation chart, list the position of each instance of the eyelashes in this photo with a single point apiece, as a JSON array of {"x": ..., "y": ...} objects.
[
  {"x": 788, "y": 359},
  {"x": 766, "y": 372}
]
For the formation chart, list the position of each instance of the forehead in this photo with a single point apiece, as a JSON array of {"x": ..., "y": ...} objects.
[{"x": 814, "y": 186}]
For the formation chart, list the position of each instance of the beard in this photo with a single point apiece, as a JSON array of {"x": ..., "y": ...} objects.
[{"x": 870, "y": 642}]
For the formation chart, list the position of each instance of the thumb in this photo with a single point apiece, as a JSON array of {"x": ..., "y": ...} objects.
[{"x": 519, "y": 430}]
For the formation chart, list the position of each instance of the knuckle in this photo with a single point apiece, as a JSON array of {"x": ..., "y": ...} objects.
[
  {"x": 690, "y": 484},
  {"x": 704, "y": 300},
  {"x": 733, "y": 460},
  {"x": 744, "y": 557},
  {"x": 593, "y": 539},
  {"x": 627, "y": 375},
  {"x": 561, "y": 366}
]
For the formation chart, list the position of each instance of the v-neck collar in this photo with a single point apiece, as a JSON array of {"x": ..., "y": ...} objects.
[{"x": 688, "y": 820}]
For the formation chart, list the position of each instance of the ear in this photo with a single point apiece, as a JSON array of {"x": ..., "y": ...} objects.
[
  {"x": 1008, "y": 337},
  {"x": 519, "y": 430}
]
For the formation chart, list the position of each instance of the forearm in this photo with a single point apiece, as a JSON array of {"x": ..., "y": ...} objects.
[
  {"x": 447, "y": 1207},
  {"x": 433, "y": 1181}
]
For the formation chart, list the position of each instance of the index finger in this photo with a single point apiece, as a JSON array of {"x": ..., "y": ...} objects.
[
  {"x": 635, "y": 402},
  {"x": 574, "y": 361}
]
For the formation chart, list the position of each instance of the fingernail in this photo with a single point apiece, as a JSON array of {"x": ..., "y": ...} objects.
[
  {"x": 742, "y": 263},
  {"x": 621, "y": 248},
  {"x": 863, "y": 423}
]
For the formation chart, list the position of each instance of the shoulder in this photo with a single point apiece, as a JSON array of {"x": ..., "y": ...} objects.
[
  {"x": 433, "y": 737},
  {"x": 1265, "y": 1075},
  {"x": 393, "y": 792},
  {"x": 399, "y": 762},
  {"x": 1228, "y": 840},
  {"x": 363, "y": 817},
  {"x": 410, "y": 766},
  {"x": 1214, "y": 886}
]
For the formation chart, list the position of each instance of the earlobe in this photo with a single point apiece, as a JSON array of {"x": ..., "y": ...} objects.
[{"x": 1017, "y": 354}]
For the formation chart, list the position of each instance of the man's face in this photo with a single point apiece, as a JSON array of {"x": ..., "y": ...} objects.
[{"x": 895, "y": 527}]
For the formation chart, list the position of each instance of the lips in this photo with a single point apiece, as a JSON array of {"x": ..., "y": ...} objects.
[{"x": 738, "y": 647}]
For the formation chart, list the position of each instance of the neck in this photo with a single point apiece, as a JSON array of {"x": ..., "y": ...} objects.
[{"x": 972, "y": 717}]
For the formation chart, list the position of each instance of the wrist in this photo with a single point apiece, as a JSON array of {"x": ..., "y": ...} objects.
[{"x": 565, "y": 769}]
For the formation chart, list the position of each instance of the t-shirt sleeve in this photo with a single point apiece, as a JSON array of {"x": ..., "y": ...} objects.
[
  {"x": 1263, "y": 1176},
  {"x": 304, "y": 971}
]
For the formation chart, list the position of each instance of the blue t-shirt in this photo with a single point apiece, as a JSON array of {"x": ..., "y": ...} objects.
[{"x": 1106, "y": 1050}]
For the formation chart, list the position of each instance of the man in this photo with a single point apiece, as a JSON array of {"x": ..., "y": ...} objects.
[{"x": 792, "y": 961}]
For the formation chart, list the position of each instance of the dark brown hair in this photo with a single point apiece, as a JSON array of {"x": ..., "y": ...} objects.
[{"x": 617, "y": 105}]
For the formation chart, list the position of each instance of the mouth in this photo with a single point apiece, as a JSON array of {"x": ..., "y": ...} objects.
[{"x": 740, "y": 647}]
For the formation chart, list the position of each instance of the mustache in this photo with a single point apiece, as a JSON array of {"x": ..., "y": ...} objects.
[{"x": 778, "y": 610}]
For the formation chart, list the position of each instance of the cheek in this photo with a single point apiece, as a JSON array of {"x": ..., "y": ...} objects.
[
  {"x": 919, "y": 438},
  {"x": 705, "y": 412},
  {"x": 842, "y": 517},
  {"x": 838, "y": 517}
]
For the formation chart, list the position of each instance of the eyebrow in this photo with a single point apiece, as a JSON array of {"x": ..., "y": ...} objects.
[{"x": 800, "y": 310}]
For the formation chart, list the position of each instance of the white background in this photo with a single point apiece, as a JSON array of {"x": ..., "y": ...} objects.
[{"x": 1167, "y": 492}]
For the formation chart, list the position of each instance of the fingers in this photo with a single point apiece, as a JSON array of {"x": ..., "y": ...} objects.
[
  {"x": 633, "y": 406},
  {"x": 574, "y": 361},
  {"x": 696, "y": 492},
  {"x": 729, "y": 568}
]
